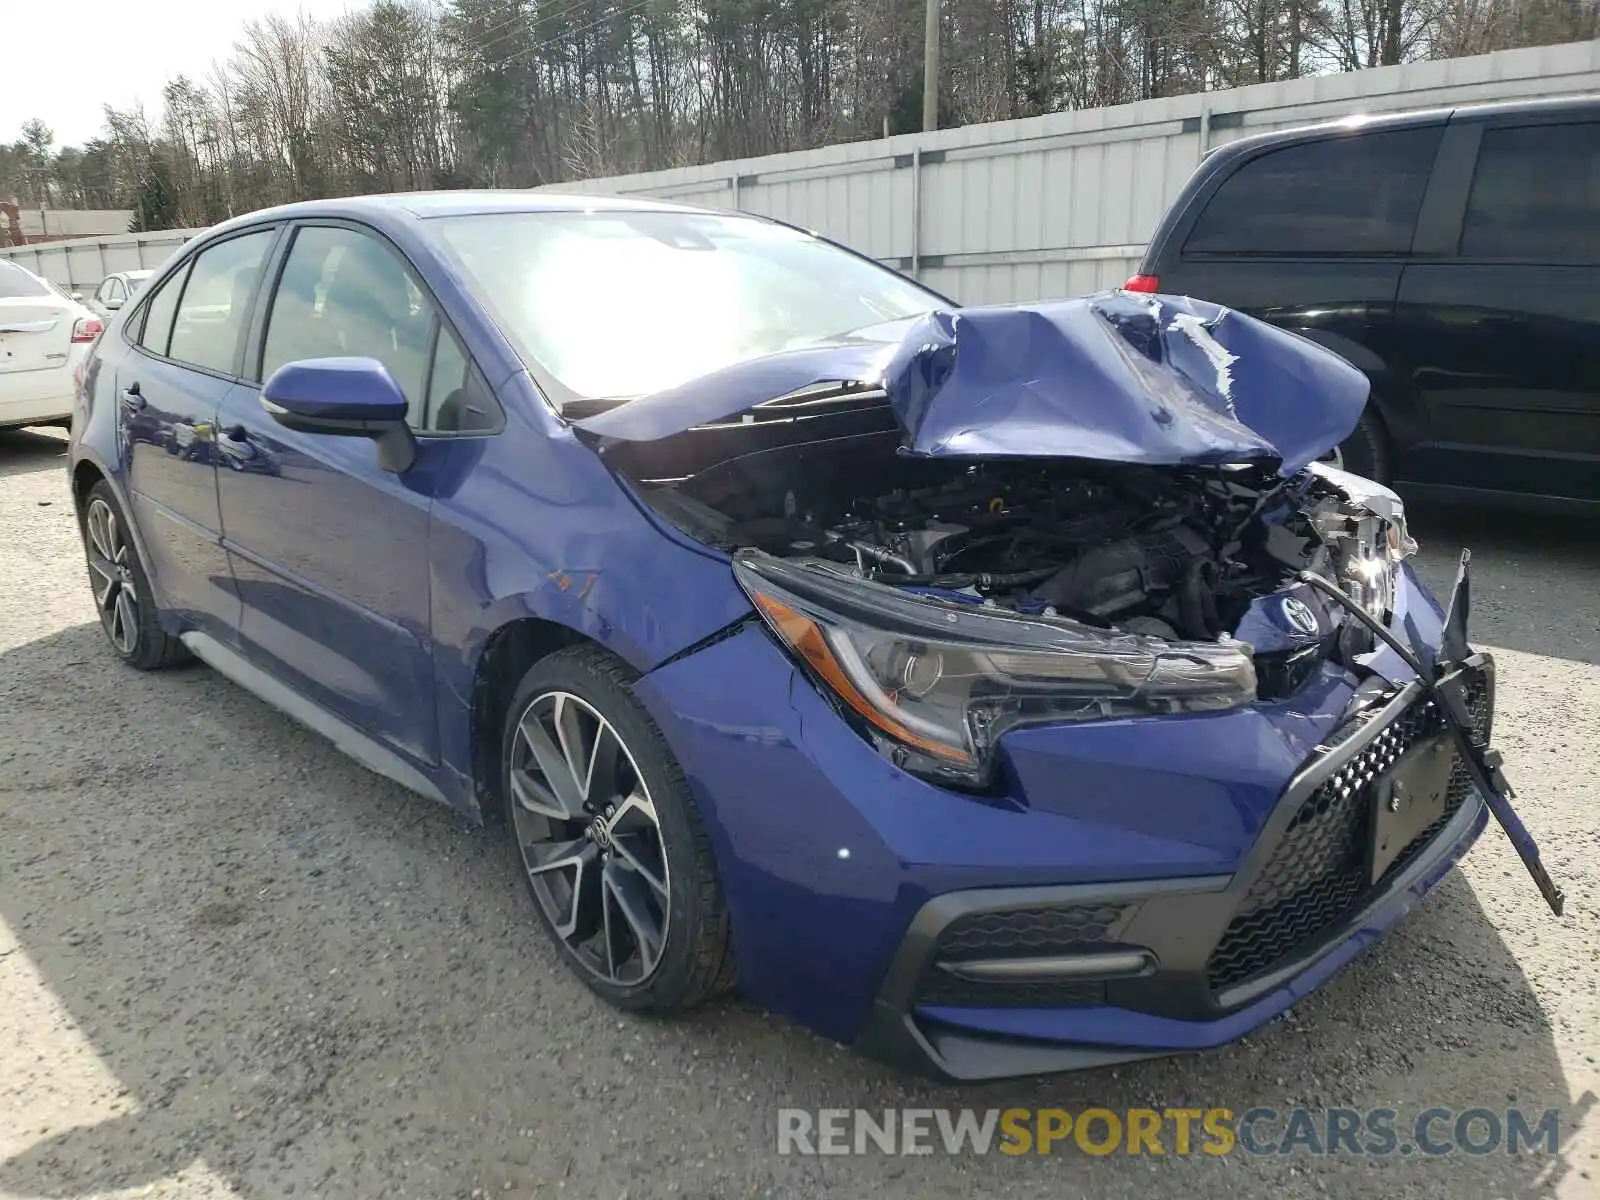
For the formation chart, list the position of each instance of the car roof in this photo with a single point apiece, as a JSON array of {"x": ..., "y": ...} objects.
[
  {"x": 1406, "y": 120},
  {"x": 423, "y": 205}
]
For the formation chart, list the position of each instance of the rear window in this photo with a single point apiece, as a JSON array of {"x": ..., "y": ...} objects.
[
  {"x": 15, "y": 282},
  {"x": 1536, "y": 194},
  {"x": 1357, "y": 194}
]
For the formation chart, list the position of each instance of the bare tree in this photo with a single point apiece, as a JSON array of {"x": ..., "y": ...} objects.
[{"x": 402, "y": 94}]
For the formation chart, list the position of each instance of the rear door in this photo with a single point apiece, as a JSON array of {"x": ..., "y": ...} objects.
[
  {"x": 185, "y": 360},
  {"x": 35, "y": 338},
  {"x": 1501, "y": 332}
]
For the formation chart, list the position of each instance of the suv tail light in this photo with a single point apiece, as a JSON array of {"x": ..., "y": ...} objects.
[
  {"x": 86, "y": 329},
  {"x": 1143, "y": 283}
]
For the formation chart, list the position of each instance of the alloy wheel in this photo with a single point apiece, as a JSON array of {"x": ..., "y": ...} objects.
[
  {"x": 111, "y": 573},
  {"x": 590, "y": 838}
]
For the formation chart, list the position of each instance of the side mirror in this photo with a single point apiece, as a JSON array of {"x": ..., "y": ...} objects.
[
  {"x": 344, "y": 397},
  {"x": 112, "y": 304},
  {"x": 76, "y": 296}
]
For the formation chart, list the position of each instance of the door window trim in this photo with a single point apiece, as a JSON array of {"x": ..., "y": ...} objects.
[
  {"x": 267, "y": 293},
  {"x": 134, "y": 328}
]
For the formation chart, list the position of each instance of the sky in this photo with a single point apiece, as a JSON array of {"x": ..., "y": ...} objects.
[{"x": 63, "y": 60}]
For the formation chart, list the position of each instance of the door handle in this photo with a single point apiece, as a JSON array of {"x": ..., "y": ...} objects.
[{"x": 132, "y": 398}]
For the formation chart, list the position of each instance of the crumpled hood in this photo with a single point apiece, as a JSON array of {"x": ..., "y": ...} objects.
[{"x": 1119, "y": 377}]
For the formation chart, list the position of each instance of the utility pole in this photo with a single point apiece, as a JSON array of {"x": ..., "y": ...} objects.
[{"x": 930, "y": 67}]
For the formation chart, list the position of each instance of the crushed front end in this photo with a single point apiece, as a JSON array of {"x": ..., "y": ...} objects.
[{"x": 1026, "y": 763}]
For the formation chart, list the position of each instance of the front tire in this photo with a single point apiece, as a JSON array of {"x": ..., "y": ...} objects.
[
  {"x": 613, "y": 849},
  {"x": 1366, "y": 451},
  {"x": 121, "y": 587}
]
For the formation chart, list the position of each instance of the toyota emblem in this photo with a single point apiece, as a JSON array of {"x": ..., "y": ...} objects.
[{"x": 1299, "y": 615}]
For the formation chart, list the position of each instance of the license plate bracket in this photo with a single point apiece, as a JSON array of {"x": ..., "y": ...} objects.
[{"x": 1407, "y": 798}]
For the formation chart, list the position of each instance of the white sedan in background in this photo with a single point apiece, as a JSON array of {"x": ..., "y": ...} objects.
[
  {"x": 116, "y": 290},
  {"x": 44, "y": 338}
]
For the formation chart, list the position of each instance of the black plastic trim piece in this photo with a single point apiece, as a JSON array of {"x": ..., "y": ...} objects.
[
  {"x": 891, "y": 1035},
  {"x": 1444, "y": 202},
  {"x": 732, "y": 629}
]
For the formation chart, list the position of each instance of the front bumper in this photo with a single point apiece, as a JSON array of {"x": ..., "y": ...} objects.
[
  {"x": 999, "y": 982},
  {"x": 35, "y": 397},
  {"x": 846, "y": 876}
]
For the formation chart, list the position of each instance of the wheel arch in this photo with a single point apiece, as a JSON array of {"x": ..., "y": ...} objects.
[
  {"x": 507, "y": 655},
  {"x": 85, "y": 474}
]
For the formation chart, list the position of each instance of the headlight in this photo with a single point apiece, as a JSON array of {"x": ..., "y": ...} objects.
[
  {"x": 937, "y": 684},
  {"x": 1369, "y": 537}
]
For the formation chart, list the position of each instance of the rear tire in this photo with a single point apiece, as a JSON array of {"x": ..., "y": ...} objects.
[
  {"x": 121, "y": 587},
  {"x": 613, "y": 849}
]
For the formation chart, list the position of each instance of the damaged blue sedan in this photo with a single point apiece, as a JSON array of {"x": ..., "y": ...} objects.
[{"x": 999, "y": 690}]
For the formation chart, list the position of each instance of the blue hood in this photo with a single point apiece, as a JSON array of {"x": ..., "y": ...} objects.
[{"x": 1120, "y": 377}]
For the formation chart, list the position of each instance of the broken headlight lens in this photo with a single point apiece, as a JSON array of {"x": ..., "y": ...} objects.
[
  {"x": 937, "y": 684},
  {"x": 1369, "y": 536}
]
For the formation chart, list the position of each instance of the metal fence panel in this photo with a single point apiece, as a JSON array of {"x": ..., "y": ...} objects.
[
  {"x": 80, "y": 264},
  {"x": 1062, "y": 204}
]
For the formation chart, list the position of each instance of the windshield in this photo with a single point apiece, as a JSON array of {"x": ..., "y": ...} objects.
[
  {"x": 621, "y": 304},
  {"x": 15, "y": 282}
]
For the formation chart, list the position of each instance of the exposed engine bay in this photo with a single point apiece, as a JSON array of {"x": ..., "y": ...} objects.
[{"x": 1166, "y": 552}]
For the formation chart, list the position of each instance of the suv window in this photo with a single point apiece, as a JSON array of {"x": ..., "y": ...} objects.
[
  {"x": 159, "y": 312},
  {"x": 1355, "y": 194},
  {"x": 345, "y": 293},
  {"x": 1536, "y": 194},
  {"x": 211, "y": 313}
]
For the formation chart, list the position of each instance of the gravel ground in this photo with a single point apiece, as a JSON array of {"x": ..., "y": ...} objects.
[{"x": 233, "y": 963}]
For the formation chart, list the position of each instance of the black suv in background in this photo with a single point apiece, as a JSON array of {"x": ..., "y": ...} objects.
[{"x": 1454, "y": 256}]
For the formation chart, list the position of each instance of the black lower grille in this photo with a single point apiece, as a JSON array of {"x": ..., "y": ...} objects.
[
  {"x": 1317, "y": 873},
  {"x": 1019, "y": 933},
  {"x": 1022, "y": 932}
]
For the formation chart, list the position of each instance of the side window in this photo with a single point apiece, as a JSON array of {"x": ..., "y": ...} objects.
[
  {"x": 344, "y": 293},
  {"x": 159, "y": 312},
  {"x": 114, "y": 290},
  {"x": 457, "y": 402},
  {"x": 1536, "y": 195},
  {"x": 1356, "y": 194},
  {"x": 211, "y": 313}
]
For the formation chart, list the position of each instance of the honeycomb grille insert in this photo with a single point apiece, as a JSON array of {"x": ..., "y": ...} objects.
[
  {"x": 1019, "y": 933},
  {"x": 1317, "y": 875}
]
